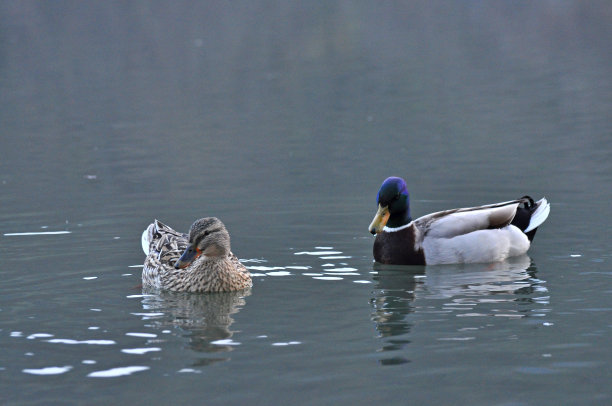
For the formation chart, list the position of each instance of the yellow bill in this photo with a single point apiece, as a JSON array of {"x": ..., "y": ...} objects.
[{"x": 380, "y": 219}]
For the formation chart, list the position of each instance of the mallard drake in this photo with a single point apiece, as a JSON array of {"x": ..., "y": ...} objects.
[
  {"x": 200, "y": 261},
  {"x": 488, "y": 233}
]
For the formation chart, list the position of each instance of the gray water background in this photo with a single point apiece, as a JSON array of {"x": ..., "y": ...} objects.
[{"x": 282, "y": 119}]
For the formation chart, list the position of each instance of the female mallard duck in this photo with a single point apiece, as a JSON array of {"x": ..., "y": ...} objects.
[
  {"x": 488, "y": 233},
  {"x": 198, "y": 262}
]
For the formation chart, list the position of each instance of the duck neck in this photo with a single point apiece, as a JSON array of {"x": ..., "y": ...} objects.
[{"x": 399, "y": 219}]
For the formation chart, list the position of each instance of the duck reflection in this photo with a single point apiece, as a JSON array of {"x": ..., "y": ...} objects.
[
  {"x": 510, "y": 276},
  {"x": 398, "y": 288},
  {"x": 205, "y": 317},
  {"x": 394, "y": 296},
  {"x": 393, "y": 299}
]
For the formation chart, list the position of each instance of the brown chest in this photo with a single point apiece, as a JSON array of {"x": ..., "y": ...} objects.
[{"x": 398, "y": 248}]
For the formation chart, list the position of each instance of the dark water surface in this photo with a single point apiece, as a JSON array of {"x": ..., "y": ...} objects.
[{"x": 283, "y": 120}]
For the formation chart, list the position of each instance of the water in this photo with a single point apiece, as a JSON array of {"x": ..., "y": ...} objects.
[{"x": 283, "y": 120}]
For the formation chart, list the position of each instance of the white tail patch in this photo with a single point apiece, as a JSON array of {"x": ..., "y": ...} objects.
[
  {"x": 540, "y": 215},
  {"x": 144, "y": 240}
]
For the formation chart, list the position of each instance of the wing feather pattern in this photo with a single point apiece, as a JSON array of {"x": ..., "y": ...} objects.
[{"x": 452, "y": 223}]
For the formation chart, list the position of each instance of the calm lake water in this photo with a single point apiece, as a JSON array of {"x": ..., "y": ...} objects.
[{"x": 282, "y": 120}]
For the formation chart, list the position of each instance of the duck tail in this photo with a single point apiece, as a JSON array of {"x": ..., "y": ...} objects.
[
  {"x": 147, "y": 237},
  {"x": 530, "y": 214},
  {"x": 539, "y": 215}
]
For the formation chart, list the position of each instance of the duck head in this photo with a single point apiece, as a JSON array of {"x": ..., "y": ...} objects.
[
  {"x": 393, "y": 205},
  {"x": 207, "y": 236}
]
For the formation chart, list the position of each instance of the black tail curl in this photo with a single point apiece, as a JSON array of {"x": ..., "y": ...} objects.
[{"x": 523, "y": 215}]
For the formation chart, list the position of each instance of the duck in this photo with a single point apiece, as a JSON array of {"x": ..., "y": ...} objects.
[
  {"x": 200, "y": 261},
  {"x": 483, "y": 234}
]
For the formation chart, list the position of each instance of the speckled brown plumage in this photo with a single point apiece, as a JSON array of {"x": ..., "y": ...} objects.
[{"x": 217, "y": 269}]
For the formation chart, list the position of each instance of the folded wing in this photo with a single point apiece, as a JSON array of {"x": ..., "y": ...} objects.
[{"x": 456, "y": 222}]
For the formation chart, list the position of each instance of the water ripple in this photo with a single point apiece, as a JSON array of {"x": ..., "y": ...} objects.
[
  {"x": 38, "y": 233},
  {"x": 48, "y": 370},
  {"x": 115, "y": 372},
  {"x": 140, "y": 351},
  {"x": 88, "y": 342}
]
